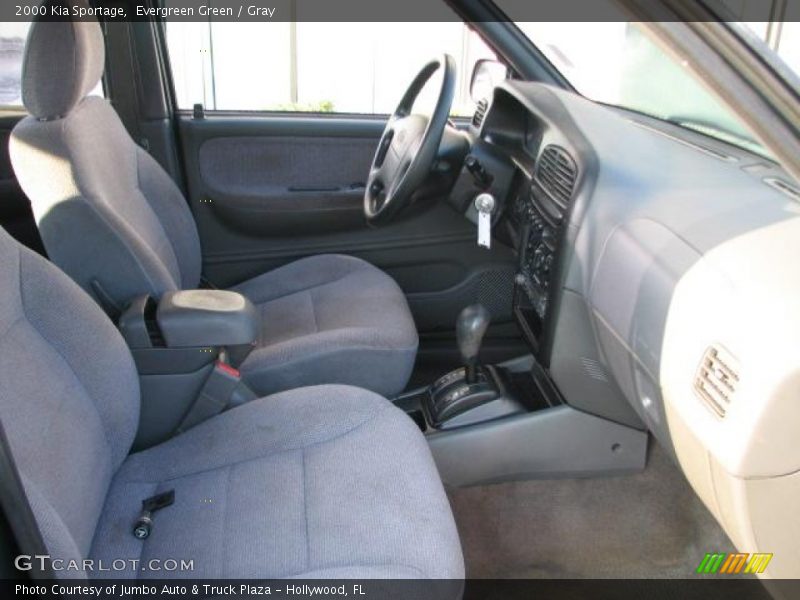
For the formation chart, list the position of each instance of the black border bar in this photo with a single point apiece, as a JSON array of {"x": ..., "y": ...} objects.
[{"x": 333, "y": 11}]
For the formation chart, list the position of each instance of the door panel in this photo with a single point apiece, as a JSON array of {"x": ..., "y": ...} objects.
[
  {"x": 258, "y": 177},
  {"x": 284, "y": 185},
  {"x": 266, "y": 190}
]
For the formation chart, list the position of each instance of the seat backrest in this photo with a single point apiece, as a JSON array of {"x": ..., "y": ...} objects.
[
  {"x": 69, "y": 397},
  {"x": 108, "y": 214}
]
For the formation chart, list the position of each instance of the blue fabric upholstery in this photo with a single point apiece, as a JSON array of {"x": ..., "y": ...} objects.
[
  {"x": 328, "y": 481},
  {"x": 63, "y": 63},
  {"x": 107, "y": 213},
  {"x": 69, "y": 396},
  {"x": 330, "y": 319},
  {"x": 329, "y": 477},
  {"x": 114, "y": 221}
]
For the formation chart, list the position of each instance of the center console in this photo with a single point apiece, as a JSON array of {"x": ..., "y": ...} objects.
[
  {"x": 540, "y": 212},
  {"x": 186, "y": 347},
  {"x": 491, "y": 423},
  {"x": 475, "y": 393}
]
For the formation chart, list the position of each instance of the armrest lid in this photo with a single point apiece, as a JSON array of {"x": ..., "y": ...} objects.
[{"x": 194, "y": 318}]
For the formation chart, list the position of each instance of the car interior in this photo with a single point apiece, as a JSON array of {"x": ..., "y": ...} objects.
[{"x": 555, "y": 339}]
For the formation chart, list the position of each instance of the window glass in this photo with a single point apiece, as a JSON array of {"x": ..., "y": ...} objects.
[
  {"x": 12, "y": 45},
  {"x": 617, "y": 63},
  {"x": 319, "y": 67},
  {"x": 12, "y": 48},
  {"x": 788, "y": 42},
  {"x": 783, "y": 38}
]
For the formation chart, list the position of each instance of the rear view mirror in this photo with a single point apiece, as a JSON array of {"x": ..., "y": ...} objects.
[{"x": 485, "y": 76}]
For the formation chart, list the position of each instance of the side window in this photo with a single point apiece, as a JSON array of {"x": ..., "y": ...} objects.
[
  {"x": 12, "y": 45},
  {"x": 314, "y": 67},
  {"x": 785, "y": 38}
]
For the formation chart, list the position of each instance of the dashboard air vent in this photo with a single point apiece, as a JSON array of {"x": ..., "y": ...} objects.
[
  {"x": 557, "y": 173},
  {"x": 784, "y": 187},
  {"x": 717, "y": 379},
  {"x": 480, "y": 113}
]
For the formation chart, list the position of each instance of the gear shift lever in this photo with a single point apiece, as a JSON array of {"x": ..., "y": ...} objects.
[
  {"x": 470, "y": 329},
  {"x": 453, "y": 397}
]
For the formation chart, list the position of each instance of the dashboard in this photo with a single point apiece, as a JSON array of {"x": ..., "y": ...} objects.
[{"x": 657, "y": 285}]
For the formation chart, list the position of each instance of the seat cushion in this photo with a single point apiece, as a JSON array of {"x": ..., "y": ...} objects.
[
  {"x": 328, "y": 481},
  {"x": 330, "y": 319}
]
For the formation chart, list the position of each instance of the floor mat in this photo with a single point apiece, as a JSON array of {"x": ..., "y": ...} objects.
[{"x": 648, "y": 525}]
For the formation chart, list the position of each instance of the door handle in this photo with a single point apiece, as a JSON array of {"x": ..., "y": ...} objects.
[{"x": 311, "y": 188}]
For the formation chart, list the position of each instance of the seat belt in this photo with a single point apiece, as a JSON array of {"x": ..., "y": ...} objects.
[
  {"x": 18, "y": 510},
  {"x": 222, "y": 390}
]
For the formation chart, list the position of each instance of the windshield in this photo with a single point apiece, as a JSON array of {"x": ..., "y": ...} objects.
[{"x": 618, "y": 64}]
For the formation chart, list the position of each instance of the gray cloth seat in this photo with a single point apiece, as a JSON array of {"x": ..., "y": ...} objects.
[
  {"x": 312, "y": 333},
  {"x": 329, "y": 481},
  {"x": 114, "y": 221}
]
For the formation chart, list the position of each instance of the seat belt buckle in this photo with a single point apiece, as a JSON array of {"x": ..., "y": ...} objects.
[
  {"x": 144, "y": 524},
  {"x": 229, "y": 385},
  {"x": 223, "y": 389},
  {"x": 227, "y": 370}
]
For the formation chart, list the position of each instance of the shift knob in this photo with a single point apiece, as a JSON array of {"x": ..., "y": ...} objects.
[{"x": 470, "y": 329}]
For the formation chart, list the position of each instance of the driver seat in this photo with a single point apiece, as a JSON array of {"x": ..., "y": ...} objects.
[{"x": 113, "y": 220}]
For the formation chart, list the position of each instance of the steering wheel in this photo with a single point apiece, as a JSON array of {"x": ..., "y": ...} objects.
[{"x": 408, "y": 146}]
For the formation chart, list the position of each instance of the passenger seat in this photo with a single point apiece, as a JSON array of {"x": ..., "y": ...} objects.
[{"x": 322, "y": 482}]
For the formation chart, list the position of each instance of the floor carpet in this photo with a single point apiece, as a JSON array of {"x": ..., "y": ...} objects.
[{"x": 647, "y": 525}]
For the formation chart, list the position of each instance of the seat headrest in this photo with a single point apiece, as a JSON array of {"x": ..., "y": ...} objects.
[{"x": 64, "y": 61}]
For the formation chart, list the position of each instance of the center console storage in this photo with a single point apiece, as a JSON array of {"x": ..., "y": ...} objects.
[{"x": 186, "y": 348}]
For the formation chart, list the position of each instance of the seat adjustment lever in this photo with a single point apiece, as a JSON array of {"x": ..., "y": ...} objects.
[{"x": 144, "y": 524}]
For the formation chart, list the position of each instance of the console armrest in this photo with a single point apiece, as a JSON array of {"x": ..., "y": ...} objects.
[
  {"x": 193, "y": 318},
  {"x": 190, "y": 319},
  {"x": 181, "y": 344}
]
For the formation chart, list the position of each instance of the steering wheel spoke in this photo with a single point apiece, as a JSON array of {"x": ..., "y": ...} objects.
[{"x": 383, "y": 148}]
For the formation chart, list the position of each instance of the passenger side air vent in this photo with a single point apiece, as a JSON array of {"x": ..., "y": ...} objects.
[
  {"x": 717, "y": 379},
  {"x": 557, "y": 173},
  {"x": 783, "y": 187},
  {"x": 480, "y": 113}
]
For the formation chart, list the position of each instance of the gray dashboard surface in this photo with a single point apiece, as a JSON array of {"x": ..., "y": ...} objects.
[{"x": 659, "y": 199}]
